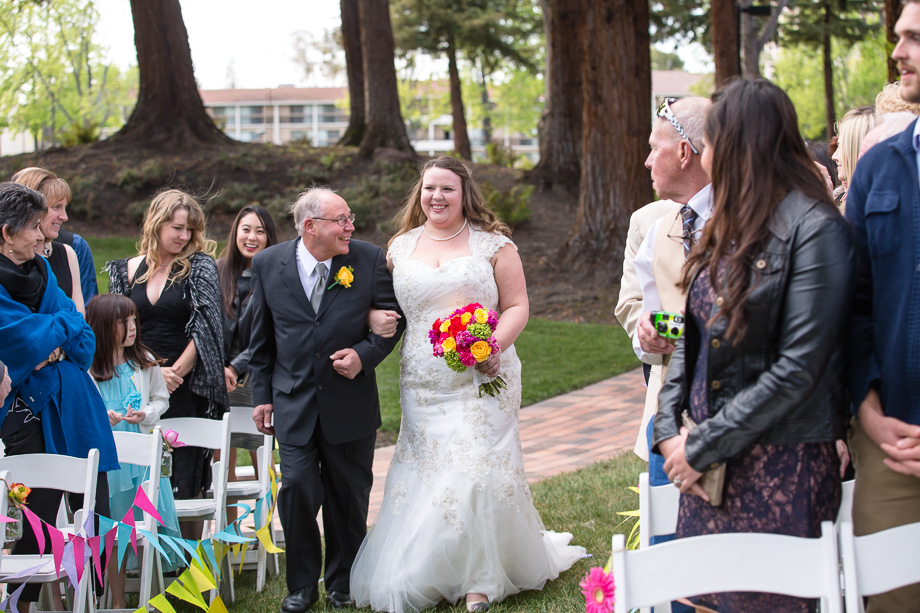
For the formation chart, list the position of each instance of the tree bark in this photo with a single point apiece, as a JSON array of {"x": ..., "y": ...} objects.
[
  {"x": 750, "y": 54},
  {"x": 385, "y": 127},
  {"x": 561, "y": 125},
  {"x": 724, "y": 25},
  {"x": 830, "y": 112},
  {"x": 614, "y": 180},
  {"x": 461, "y": 138},
  {"x": 892, "y": 12},
  {"x": 169, "y": 112},
  {"x": 354, "y": 64},
  {"x": 486, "y": 105}
]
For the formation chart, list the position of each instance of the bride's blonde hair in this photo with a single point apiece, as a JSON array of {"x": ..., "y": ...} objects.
[{"x": 474, "y": 209}]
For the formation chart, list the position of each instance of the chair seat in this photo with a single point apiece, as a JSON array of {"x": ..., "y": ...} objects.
[
  {"x": 243, "y": 490},
  {"x": 10, "y": 565},
  {"x": 202, "y": 508}
]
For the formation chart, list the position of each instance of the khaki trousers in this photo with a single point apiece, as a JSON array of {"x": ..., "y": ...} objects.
[{"x": 883, "y": 499}]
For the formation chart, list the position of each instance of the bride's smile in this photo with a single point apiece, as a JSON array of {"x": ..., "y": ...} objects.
[{"x": 442, "y": 201}]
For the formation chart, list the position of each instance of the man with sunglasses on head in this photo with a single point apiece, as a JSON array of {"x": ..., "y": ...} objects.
[
  {"x": 312, "y": 370},
  {"x": 660, "y": 236}
]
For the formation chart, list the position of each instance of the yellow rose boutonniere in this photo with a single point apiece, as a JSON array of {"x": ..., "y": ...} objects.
[{"x": 345, "y": 277}]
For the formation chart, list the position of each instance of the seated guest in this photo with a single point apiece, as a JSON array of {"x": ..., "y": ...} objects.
[
  {"x": 53, "y": 405},
  {"x": 755, "y": 385}
]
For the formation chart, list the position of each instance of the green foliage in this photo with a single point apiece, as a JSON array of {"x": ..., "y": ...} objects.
[
  {"x": 336, "y": 161},
  {"x": 150, "y": 174},
  {"x": 84, "y": 189},
  {"x": 379, "y": 192},
  {"x": 511, "y": 206},
  {"x": 307, "y": 175},
  {"x": 234, "y": 196},
  {"x": 58, "y": 84},
  {"x": 662, "y": 60},
  {"x": 518, "y": 102}
]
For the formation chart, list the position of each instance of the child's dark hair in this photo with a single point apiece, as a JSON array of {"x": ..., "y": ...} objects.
[{"x": 103, "y": 314}]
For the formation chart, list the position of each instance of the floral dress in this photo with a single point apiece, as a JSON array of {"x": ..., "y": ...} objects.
[{"x": 119, "y": 393}]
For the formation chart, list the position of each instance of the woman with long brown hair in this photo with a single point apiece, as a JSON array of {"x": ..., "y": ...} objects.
[
  {"x": 173, "y": 281},
  {"x": 755, "y": 387}
]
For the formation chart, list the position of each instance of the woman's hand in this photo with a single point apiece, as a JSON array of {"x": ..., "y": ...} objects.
[
  {"x": 677, "y": 468},
  {"x": 114, "y": 417},
  {"x": 134, "y": 417},
  {"x": 383, "y": 323},
  {"x": 843, "y": 453},
  {"x": 492, "y": 366},
  {"x": 54, "y": 357},
  {"x": 173, "y": 380},
  {"x": 230, "y": 378}
]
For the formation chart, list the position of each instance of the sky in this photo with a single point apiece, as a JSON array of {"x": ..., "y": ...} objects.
[{"x": 257, "y": 38}]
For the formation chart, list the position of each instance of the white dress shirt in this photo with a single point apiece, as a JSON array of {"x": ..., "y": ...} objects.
[
  {"x": 701, "y": 202},
  {"x": 917, "y": 144},
  {"x": 306, "y": 268}
]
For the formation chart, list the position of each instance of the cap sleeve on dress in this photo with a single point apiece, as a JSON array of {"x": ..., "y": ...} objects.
[
  {"x": 401, "y": 246},
  {"x": 487, "y": 244}
]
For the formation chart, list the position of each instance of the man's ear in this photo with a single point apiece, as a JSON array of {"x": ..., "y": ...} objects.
[{"x": 684, "y": 153}]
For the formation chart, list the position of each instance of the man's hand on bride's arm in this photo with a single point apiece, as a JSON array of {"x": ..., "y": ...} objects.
[
  {"x": 383, "y": 323},
  {"x": 346, "y": 362}
]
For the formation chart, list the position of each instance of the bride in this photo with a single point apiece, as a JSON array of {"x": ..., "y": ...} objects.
[{"x": 457, "y": 517}]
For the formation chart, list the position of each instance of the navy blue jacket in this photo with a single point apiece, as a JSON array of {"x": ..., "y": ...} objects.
[{"x": 883, "y": 205}]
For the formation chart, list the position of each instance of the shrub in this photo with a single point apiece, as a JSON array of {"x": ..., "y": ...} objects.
[
  {"x": 307, "y": 175},
  {"x": 511, "y": 206},
  {"x": 84, "y": 190},
  {"x": 234, "y": 196},
  {"x": 135, "y": 180}
]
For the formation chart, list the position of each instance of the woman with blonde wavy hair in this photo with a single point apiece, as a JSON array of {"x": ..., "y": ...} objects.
[
  {"x": 173, "y": 281},
  {"x": 850, "y": 133}
]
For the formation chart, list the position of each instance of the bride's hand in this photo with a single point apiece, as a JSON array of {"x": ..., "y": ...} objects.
[
  {"x": 492, "y": 366},
  {"x": 383, "y": 323}
]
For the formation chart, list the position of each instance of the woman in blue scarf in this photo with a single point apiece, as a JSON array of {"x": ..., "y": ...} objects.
[{"x": 53, "y": 405}]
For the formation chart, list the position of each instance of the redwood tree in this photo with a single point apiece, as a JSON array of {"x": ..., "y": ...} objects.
[
  {"x": 385, "y": 127},
  {"x": 169, "y": 112},
  {"x": 354, "y": 63},
  {"x": 724, "y": 34},
  {"x": 560, "y": 126},
  {"x": 617, "y": 82}
]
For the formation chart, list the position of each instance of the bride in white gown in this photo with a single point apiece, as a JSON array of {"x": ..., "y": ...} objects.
[{"x": 457, "y": 517}]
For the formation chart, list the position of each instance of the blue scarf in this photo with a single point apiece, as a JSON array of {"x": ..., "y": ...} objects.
[{"x": 74, "y": 419}]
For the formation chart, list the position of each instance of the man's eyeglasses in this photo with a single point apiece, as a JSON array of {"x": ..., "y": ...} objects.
[
  {"x": 665, "y": 112},
  {"x": 342, "y": 220}
]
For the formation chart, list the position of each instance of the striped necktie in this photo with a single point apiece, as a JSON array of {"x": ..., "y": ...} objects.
[{"x": 689, "y": 216}]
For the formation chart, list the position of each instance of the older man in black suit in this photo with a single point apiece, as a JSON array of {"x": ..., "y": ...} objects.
[{"x": 312, "y": 368}]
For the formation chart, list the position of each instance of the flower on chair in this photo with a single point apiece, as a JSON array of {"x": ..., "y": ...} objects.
[
  {"x": 598, "y": 588},
  {"x": 18, "y": 493}
]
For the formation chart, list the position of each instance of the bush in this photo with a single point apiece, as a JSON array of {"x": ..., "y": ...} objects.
[
  {"x": 135, "y": 180},
  {"x": 83, "y": 190},
  {"x": 511, "y": 206},
  {"x": 307, "y": 175},
  {"x": 234, "y": 196}
]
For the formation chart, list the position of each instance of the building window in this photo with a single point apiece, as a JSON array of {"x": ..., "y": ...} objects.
[
  {"x": 328, "y": 113},
  {"x": 251, "y": 115},
  {"x": 298, "y": 114}
]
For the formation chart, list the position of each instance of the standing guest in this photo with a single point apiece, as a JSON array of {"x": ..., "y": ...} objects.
[
  {"x": 760, "y": 368},
  {"x": 173, "y": 281},
  {"x": 52, "y": 405},
  {"x": 851, "y": 131},
  {"x": 135, "y": 395},
  {"x": 885, "y": 324},
  {"x": 253, "y": 230},
  {"x": 62, "y": 257},
  {"x": 312, "y": 368}
]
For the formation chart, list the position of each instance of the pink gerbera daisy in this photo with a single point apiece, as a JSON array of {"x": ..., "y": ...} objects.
[{"x": 598, "y": 588}]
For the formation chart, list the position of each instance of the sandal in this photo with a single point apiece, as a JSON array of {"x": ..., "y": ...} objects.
[{"x": 478, "y": 606}]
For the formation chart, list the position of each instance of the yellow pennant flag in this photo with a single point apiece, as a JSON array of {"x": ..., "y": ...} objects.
[
  {"x": 239, "y": 550},
  {"x": 203, "y": 579},
  {"x": 159, "y": 601},
  {"x": 179, "y": 591},
  {"x": 265, "y": 538},
  {"x": 217, "y": 606},
  {"x": 190, "y": 584}
]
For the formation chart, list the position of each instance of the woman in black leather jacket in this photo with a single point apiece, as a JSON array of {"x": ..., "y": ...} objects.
[{"x": 761, "y": 362}]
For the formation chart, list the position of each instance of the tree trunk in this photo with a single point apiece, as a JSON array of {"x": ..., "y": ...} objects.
[
  {"x": 750, "y": 54},
  {"x": 461, "y": 138},
  {"x": 725, "y": 42},
  {"x": 486, "y": 106},
  {"x": 385, "y": 127},
  {"x": 560, "y": 127},
  {"x": 892, "y": 12},
  {"x": 169, "y": 112},
  {"x": 830, "y": 112},
  {"x": 614, "y": 180},
  {"x": 354, "y": 64}
]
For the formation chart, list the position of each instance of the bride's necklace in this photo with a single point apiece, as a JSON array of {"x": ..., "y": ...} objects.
[{"x": 435, "y": 238}]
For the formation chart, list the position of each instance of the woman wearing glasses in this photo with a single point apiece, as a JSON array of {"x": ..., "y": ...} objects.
[
  {"x": 755, "y": 384},
  {"x": 173, "y": 281}
]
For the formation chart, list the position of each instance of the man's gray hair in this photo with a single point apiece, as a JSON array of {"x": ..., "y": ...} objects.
[
  {"x": 308, "y": 204},
  {"x": 691, "y": 113}
]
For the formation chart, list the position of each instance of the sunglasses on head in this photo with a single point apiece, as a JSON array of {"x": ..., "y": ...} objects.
[{"x": 665, "y": 112}]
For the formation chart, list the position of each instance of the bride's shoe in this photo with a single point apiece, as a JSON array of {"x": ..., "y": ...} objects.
[{"x": 477, "y": 606}]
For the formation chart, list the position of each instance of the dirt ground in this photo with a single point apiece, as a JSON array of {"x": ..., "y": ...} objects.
[{"x": 112, "y": 187}]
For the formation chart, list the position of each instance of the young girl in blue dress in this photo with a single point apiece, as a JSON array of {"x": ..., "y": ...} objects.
[{"x": 135, "y": 396}]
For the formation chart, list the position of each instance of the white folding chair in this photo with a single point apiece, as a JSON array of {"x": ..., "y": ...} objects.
[
  {"x": 241, "y": 423},
  {"x": 214, "y": 435},
  {"x": 845, "y": 514},
  {"x": 658, "y": 509},
  {"x": 145, "y": 450},
  {"x": 739, "y": 562},
  {"x": 67, "y": 474},
  {"x": 878, "y": 563}
]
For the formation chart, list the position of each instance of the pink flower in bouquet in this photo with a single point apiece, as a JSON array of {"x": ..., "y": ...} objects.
[
  {"x": 598, "y": 588},
  {"x": 493, "y": 319},
  {"x": 172, "y": 439},
  {"x": 467, "y": 359},
  {"x": 465, "y": 339}
]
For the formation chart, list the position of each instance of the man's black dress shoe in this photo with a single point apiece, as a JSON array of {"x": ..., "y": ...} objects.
[
  {"x": 299, "y": 601},
  {"x": 339, "y": 600}
]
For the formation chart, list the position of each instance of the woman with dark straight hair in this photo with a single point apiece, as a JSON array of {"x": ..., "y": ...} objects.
[{"x": 754, "y": 388}]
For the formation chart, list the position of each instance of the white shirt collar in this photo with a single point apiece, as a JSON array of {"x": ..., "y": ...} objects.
[
  {"x": 307, "y": 262},
  {"x": 701, "y": 202}
]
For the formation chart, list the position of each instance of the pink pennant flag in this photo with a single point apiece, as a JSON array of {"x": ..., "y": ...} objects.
[
  {"x": 57, "y": 546},
  {"x": 36, "y": 524},
  {"x": 142, "y": 502},
  {"x": 109, "y": 544},
  {"x": 97, "y": 561},
  {"x": 78, "y": 558},
  {"x": 128, "y": 520}
]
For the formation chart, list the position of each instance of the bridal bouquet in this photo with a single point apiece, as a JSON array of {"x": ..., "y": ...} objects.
[{"x": 464, "y": 338}]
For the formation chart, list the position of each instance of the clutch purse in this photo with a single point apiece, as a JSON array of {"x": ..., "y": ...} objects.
[{"x": 713, "y": 480}]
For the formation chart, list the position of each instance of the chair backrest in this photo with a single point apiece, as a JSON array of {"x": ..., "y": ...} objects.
[
  {"x": 658, "y": 507},
  {"x": 4, "y": 504},
  {"x": 58, "y": 472},
  {"x": 211, "y": 434},
  {"x": 241, "y": 423},
  {"x": 144, "y": 450},
  {"x": 738, "y": 562},
  {"x": 877, "y": 563},
  {"x": 846, "y": 502}
]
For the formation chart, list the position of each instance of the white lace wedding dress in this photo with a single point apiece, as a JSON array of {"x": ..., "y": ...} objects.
[{"x": 457, "y": 514}]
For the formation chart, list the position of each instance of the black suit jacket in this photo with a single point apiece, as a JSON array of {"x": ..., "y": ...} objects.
[{"x": 290, "y": 344}]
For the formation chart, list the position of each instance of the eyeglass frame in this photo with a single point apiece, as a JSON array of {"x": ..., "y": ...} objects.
[
  {"x": 342, "y": 220},
  {"x": 693, "y": 235},
  {"x": 665, "y": 112}
]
